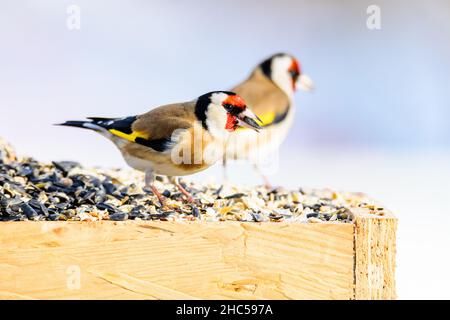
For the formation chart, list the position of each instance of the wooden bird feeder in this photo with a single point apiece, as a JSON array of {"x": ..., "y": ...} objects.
[{"x": 199, "y": 260}]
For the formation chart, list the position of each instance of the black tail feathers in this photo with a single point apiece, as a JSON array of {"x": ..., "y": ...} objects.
[
  {"x": 101, "y": 124},
  {"x": 78, "y": 124},
  {"x": 99, "y": 119}
]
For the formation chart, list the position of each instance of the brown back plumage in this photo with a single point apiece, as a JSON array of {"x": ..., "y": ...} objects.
[
  {"x": 160, "y": 122},
  {"x": 263, "y": 96}
]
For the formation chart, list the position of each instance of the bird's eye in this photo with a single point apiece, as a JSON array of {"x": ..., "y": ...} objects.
[
  {"x": 228, "y": 107},
  {"x": 294, "y": 73},
  {"x": 232, "y": 109}
]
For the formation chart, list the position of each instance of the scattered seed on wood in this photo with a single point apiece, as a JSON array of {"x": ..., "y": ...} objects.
[{"x": 64, "y": 190}]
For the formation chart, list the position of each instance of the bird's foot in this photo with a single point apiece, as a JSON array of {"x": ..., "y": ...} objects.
[
  {"x": 162, "y": 200},
  {"x": 267, "y": 184},
  {"x": 186, "y": 193}
]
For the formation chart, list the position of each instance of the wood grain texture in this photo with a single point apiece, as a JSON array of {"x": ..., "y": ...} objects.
[
  {"x": 375, "y": 250},
  {"x": 177, "y": 260}
]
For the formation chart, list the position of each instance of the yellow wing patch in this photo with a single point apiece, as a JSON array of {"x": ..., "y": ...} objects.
[
  {"x": 130, "y": 137},
  {"x": 267, "y": 118}
]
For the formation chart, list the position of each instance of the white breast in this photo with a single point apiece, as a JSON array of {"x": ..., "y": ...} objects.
[{"x": 249, "y": 144}]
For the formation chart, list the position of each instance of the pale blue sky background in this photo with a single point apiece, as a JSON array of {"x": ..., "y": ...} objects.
[
  {"x": 387, "y": 88},
  {"x": 378, "y": 121}
]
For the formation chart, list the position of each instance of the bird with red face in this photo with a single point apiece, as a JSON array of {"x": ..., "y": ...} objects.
[
  {"x": 176, "y": 139},
  {"x": 269, "y": 91}
]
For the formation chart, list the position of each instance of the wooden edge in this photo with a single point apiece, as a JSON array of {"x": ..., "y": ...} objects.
[
  {"x": 176, "y": 260},
  {"x": 375, "y": 251}
]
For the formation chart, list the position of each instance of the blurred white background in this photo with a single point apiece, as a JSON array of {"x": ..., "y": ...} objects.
[{"x": 378, "y": 121}]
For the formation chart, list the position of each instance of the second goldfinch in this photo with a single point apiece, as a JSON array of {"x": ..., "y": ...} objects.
[
  {"x": 176, "y": 139},
  {"x": 269, "y": 91}
]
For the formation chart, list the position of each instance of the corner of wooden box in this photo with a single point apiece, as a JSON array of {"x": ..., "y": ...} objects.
[{"x": 375, "y": 252}]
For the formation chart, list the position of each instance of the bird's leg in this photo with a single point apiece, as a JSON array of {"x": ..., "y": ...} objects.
[
  {"x": 149, "y": 178},
  {"x": 267, "y": 184},
  {"x": 224, "y": 167},
  {"x": 176, "y": 182}
]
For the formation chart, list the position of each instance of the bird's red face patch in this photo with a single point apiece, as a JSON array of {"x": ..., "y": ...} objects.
[
  {"x": 234, "y": 105},
  {"x": 231, "y": 124},
  {"x": 294, "y": 71}
]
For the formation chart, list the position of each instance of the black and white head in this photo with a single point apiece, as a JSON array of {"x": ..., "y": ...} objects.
[
  {"x": 285, "y": 71},
  {"x": 221, "y": 112}
]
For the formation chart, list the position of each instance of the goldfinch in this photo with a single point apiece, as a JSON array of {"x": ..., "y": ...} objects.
[
  {"x": 269, "y": 92},
  {"x": 176, "y": 139}
]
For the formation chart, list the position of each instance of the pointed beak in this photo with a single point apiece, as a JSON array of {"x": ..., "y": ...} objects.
[
  {"x": 305, "y": 83},
  {"x": 248, "y": 119}
]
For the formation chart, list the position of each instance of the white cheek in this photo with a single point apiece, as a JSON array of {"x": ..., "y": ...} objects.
[
  {"x": 281, "y": 76},
  {"x": 216, "y": 121}
]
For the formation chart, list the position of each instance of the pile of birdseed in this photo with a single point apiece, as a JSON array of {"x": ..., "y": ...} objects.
[{"x": 32, "y": 190}]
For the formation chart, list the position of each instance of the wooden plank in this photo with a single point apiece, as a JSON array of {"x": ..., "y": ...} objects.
[
  {"x": 375, "y": 250},
  {"x": 178, "y": 260}
]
